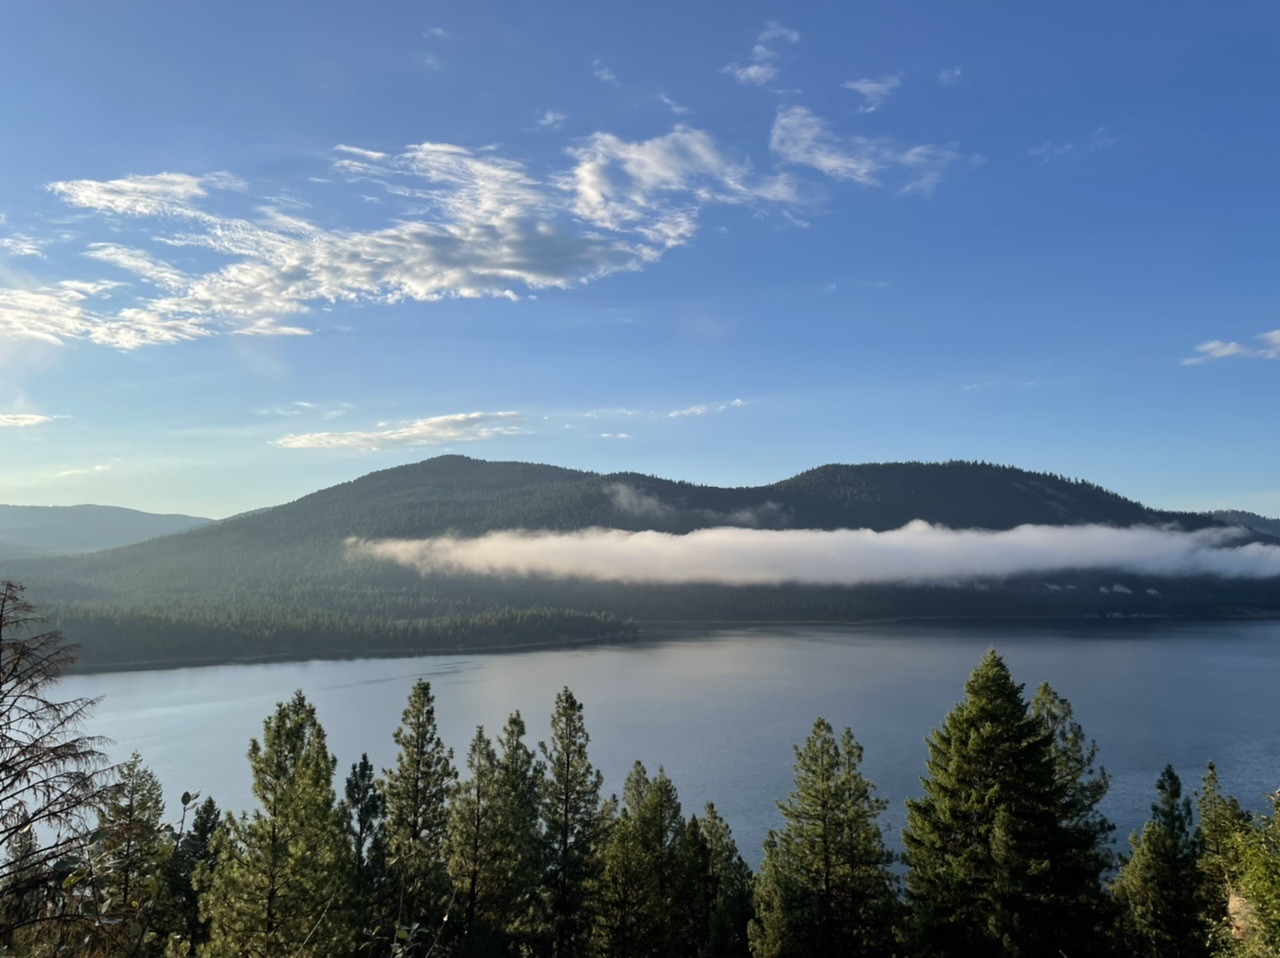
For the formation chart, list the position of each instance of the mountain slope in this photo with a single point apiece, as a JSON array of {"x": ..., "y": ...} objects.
[
  {"x": 64, "y": 530},
  {"x": 281, "y": 581}
]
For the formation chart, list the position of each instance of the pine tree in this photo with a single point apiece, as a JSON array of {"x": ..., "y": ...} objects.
[
  {"x": 572, "y": 824},
  {"x": 417, "y": 791},
  {"x": 728, "y": 889},
  {"x": 644, "y": 871},
  {"x": 518, "y": 881},
  {"x": 135, "y": 858},
  {"x": 192, "y": 863},
  {"x": 824, "y": 886},
  {"x": 1158, "y": 886},
  {"x": 365, "y": 813},
  {"x": 477, "y": 848},
  {"x": 281, "y": 885},
  {"x": 999, "y": 849},
  {"x": 1222, "y": 820}
]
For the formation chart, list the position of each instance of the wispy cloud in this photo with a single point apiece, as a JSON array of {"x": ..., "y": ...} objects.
[
  {"x": 800, "y": 137},
  {"x": 87, "y": 471},
  {"x": 461, "y": 223},
  {"x": 950, "y": 76},
  {"x": 19, "y": 244},
  {"x": 703, "y": 408},
  {"x": 673, "y": 106},
  {"x": 918, "y": 552},
  {"x": 1217, "y": 349},
  {"x": 18, "y": 420},
  {"x": 874, "y": 92},
  {"x": 614, "y": 435},
  {"x": 1048, "y": 151},
  {"x": 460, "y": 427},
  {"x": 551, "y": 120},
  {"x": 762, "y": 67},
  {"x": 603, "y": 73}
]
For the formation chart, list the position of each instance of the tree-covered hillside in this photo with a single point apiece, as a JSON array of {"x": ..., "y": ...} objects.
[{"x": 251, "y": 582}]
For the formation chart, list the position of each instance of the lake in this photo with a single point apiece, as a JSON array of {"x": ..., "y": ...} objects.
[{"x": 720, "y": 709}]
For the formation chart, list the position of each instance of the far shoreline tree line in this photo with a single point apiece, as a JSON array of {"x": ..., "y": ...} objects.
[{"x": 519, "y": 853}]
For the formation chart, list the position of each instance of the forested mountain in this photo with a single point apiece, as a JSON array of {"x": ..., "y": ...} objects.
[
  {"x": 256, "y": 579},
  {"x": 62, "y": 530},
  {"x": 1249, "y": 520}
]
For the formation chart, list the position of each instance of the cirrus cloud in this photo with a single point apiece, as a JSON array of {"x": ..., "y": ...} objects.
[{"x": 459, "y": 427}]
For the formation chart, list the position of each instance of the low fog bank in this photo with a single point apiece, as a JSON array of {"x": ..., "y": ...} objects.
[{"x": 918, "y": 552}]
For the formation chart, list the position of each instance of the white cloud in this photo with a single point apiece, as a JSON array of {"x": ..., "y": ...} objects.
[
  {"x": 360, "y": 152},
  {"x": 88, "y": 471},
  {"x": 761, "y": 68},
  {"x": 156, "y": 195},
  {"x": 918, "y": 552},
  {"x": 672, "y": 105},
  {"x": 621, "y": 185},
  {"x": 614, "y": 435},
  {"x": 1217, "y": 349},
  {"x": 950, "y": 76},
  {"x": 20, "y": 244},
  {"x": 551, "y": 120},
  {"x": 874, "y": 92},
  {"x": 140, "y": 263},
  {"x": 19, "y": 420},
  {"x": 461, "y": 224},
  {"x": 602, "y": 72},
  {"x": 800, "y": 137},
  {"x": 460, "y": 427},
  {"x": 703, "y": 408},
  {"x": 266, "y": 327}
]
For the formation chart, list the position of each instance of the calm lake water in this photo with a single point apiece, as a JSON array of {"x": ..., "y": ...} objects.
[{"x": 721, "y": 709}]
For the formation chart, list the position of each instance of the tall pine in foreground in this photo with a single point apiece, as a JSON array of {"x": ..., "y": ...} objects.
[
  {"x": 572, "y": 824},
  {"x": 1000, "y": 854},
  {"x": 281, "y": 883},
  {"x": 417, "y": 792},
  {"x": 824, "y": 886},
  {"x": 1158, "y": 888}
]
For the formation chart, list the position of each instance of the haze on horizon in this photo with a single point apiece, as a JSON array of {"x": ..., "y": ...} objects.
[{"x": 248, "y": 255}]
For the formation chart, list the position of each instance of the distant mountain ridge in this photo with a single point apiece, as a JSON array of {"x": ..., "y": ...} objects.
[
  {"x": 1248, "y": 520},
  {"x": 255, "y": 577},
  {"x": 66, "y": 530}
]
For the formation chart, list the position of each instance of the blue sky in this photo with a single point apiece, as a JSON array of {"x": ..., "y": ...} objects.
[{"x": 251, "y": 250}]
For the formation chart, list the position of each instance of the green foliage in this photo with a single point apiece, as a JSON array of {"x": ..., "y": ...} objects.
[
  {"x": 573, "y": 825},
  {"x": 1158, "y": 888},
  {"x": 282, "y": 882},
  {"x": 824, "y": 886},
  {"x": 727, "y": 889},
  {"x": 417, "y": 792},
  {"x": 365, "y": 810},
  {"x": 1003, "y": 847}
]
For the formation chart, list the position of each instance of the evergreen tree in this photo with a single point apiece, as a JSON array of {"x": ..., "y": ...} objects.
[
  {"x": 521, "y": 868},
  {"x": 281, "y": 884},
  {"x": 998, "y": 848},
  {"x": 1158, "y": 887},
  {"x": 728, "y": 889},
  {"x": 1254, "y": 907},
  {"x": 476, "y": 851},
  {"x": 572, "y": 824},
  {"x": 135, "y": 858},
  {"x": 192, "y": 861},
  {"x": 417, "y": 792},
  {"x": 644, "y": 871},
  {"x": 824, "y": 886},
  {"x": 365, "y": 809},
  {"x": 1222, "y": 820}
]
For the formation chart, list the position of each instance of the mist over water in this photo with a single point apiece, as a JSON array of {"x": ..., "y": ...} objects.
[
  {"x": 917, "y": 552},
  {"x": 721, "y": 709}
]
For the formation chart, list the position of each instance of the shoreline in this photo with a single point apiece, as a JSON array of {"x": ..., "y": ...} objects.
[{"x": 645, "y": 631}]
